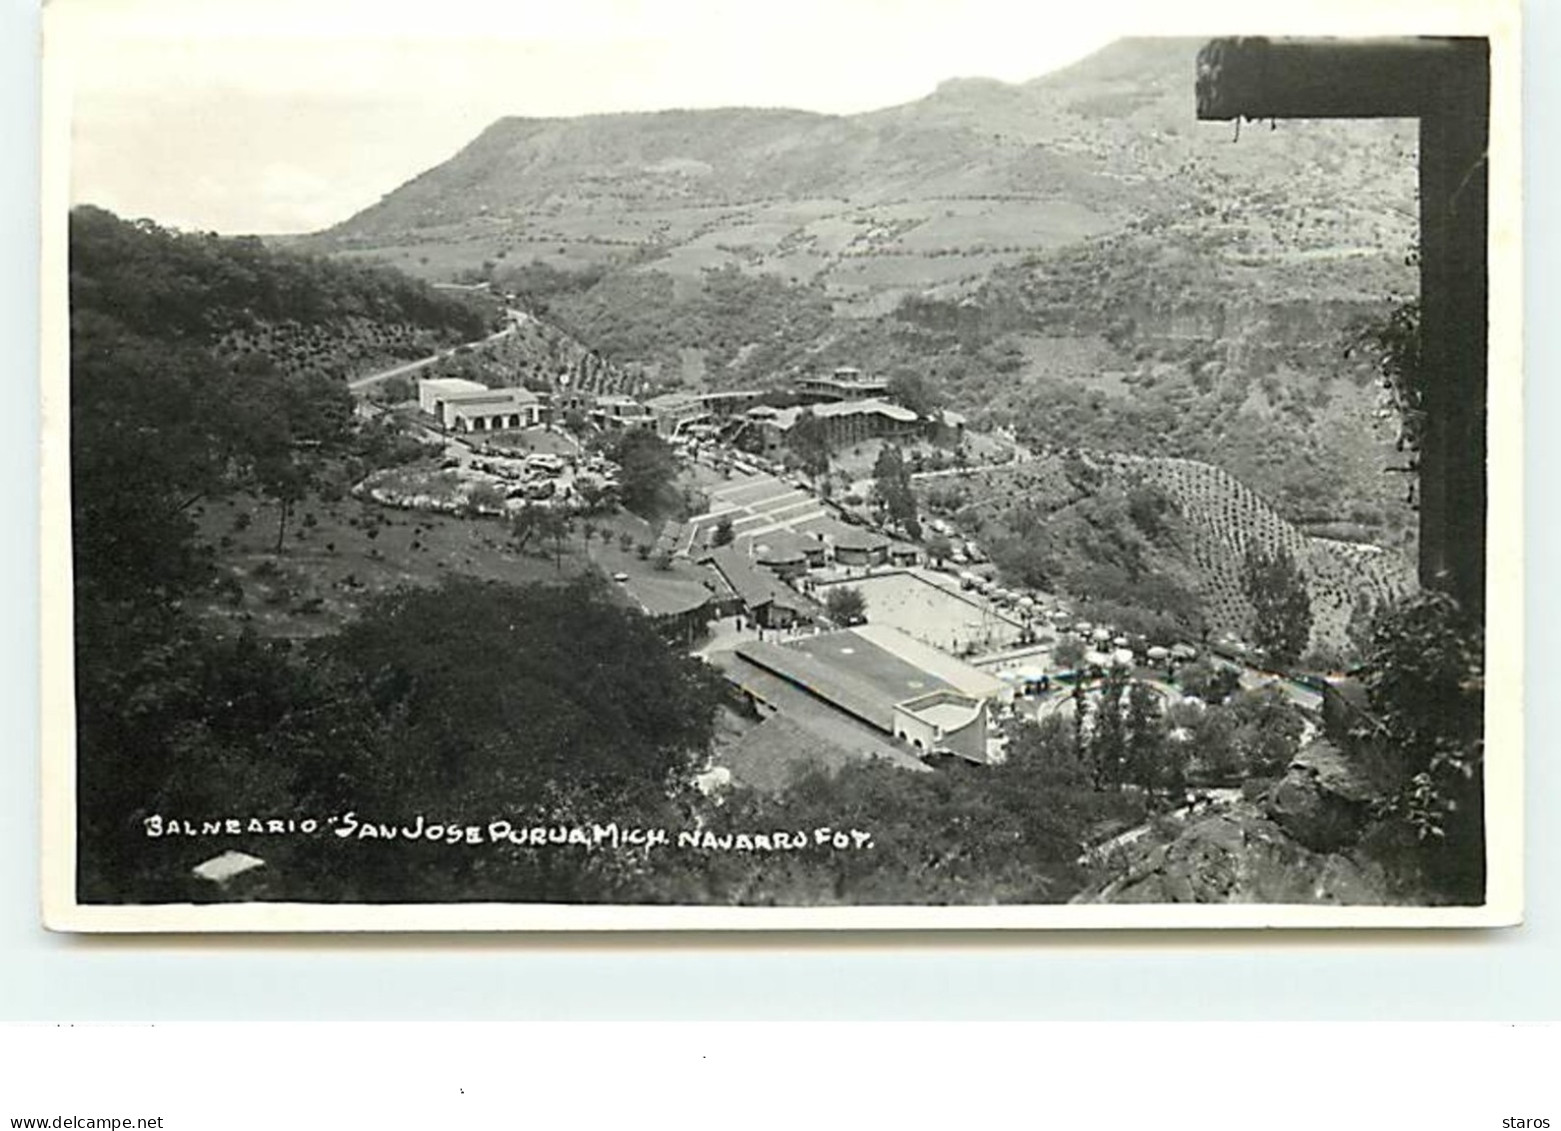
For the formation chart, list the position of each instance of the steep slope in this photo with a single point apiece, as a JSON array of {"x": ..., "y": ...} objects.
[
  {"x": 1165, "y": 536},
  {"x": 1227, "y": 519}
]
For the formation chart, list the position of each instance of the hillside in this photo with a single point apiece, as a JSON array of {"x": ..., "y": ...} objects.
[
  {"x": 295, "y": 314},
  {"x": 932, "y": 194},
  {"x": 1157, "y": 540}
]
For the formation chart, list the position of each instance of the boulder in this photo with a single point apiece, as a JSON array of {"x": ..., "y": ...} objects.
[{"x": 1324, "y": 800}]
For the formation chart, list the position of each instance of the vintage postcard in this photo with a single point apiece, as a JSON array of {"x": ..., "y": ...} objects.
[{"x": 876, "y": 465}]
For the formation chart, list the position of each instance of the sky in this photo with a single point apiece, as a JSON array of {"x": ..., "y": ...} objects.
[
  {"x": 274, "y": 116},
  {"x": 280, "y": 116}
]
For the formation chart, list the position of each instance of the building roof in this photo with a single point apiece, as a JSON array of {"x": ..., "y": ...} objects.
[
  {"x": 951, "y": 670},
  {"x": 858, "y": 538},
  {"x": 668, "y": 402},
  {"x": 782, "y": 547},
  {"x": 754, "y": 585},
  {"x": 488, "y": 400},
  {"x": 948, "y": 710},
  {"x": 835, "y": 683},
  {"x": 449, "y": 385},
  {"x": 871, "y": 405},
  {"x": 667, "y": 593},
  {"x": 777, "y": 751},
  {"x": 786, "y": 418},
  {"x": 850, "y": 671},
  {"x": 810, "y": 712}
]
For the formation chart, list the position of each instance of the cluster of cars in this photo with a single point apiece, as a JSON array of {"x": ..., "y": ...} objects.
[
  {"x": 540, "y": 476},
  {"x": 964, "y": 552}
]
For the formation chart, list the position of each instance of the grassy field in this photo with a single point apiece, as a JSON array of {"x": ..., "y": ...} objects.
[{"x": 338, "y": 554}]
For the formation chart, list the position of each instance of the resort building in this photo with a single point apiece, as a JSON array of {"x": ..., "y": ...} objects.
[
  {"x": 673, "y": 412},
  {"x": 766, "y": 601},
  {"x": 618, "y": 411},
  {"x": 843, "y": 423},
  {"x": 467, "y": 406},
  {"x": 870, "y": 684},
  {"x": 855, "y": 546},
  {"x": 845, "y": 383}
]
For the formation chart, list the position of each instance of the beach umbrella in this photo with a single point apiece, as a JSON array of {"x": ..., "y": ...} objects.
[
  {"x": 1122, "y": 658},
  {"x": 1027, "y": 602},
  {"x": 1096, "y": 659},
  {"x": 1184, "y": 651},
  {"x": 1102, "y": 634},
  {"x": 1120, "y": 642},
  {"x": 1082, "y": 626},
  {"x": 1158, "y": 653}
]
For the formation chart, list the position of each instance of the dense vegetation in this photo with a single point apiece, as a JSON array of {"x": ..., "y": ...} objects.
[{"x": 298, "y": 314}]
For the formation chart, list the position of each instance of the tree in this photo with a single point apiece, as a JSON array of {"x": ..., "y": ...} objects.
[
  {"x": 282, "y": 431},
  {"x": 915, "y": 392},
  {"x": 531, "y": 704},
  {"x": 1212, "y": 753},
  {"x": 846, "y": 605},
  {"x": 1282, "y": 607},
  {"x": 893, "y": 491},
  {"x": 1268, "y": 730},
  {"x": 1425, "y": 679},
  {"x": 1145, "y": 738},
  {"x": 647, "y": 466},
  {"x": 1069, "y": 653},
  {"x": 395, "y": 390},
  {"x": 529, "y": 523},
  {"x": 595, "y": 496},
  {"x": 556, "y": 528},
  {"x": 939, "y": 548},
  {"x": 1108, "y": 736},
  {"x": 1207, "y": 680},
  {"x": 144, "y": 452},
  {"x": 808, "y": 443},
  {"x": 723, "y": 534}
]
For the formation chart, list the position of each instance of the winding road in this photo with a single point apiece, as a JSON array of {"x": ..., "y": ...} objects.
[{"x": 517, "y": 319}]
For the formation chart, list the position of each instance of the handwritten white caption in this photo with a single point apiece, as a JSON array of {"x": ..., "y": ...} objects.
[{"x": 609, "y": 836}]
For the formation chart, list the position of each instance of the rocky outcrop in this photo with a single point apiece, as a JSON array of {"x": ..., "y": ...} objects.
[
  {"x": 1238, "y": 855},
  {"x": 1296, "y": 841},
  {"x": 1324, "y": 800}
]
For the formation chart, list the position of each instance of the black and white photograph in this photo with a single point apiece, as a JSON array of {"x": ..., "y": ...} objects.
[{"x": 683, "y": 465}]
